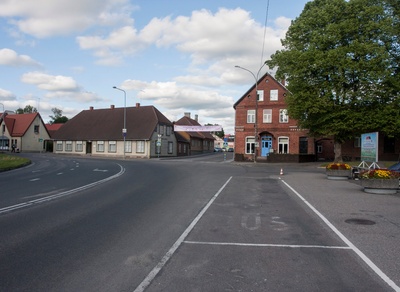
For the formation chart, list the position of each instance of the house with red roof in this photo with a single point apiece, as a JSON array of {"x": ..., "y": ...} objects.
[
  {"x": 100, "y": 132},
  {"x": 25, "y": 132},
  {"x": 198, "y": 142}
]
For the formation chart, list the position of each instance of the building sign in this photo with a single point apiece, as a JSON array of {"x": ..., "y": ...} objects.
[
  {"x": 178, "y": 128},
  {"x": 369, "y": 147}
]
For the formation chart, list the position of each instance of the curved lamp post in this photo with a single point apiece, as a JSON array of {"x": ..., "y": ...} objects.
[
  {"x": 124, "y": 129},
  {"x": 256, "y": 101}
]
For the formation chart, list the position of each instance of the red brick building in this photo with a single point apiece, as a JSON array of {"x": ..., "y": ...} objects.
[{"x": 278, "y": 138}]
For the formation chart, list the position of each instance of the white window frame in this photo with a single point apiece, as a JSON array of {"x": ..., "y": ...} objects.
[
  {"x": 251, "y": 116},
  {"x": 140, "y": 146},
  {"x": 273, "y": 94},
  {"x": 100, "y": 146},
  {"x": 250, "y": 145},
  {"x": 128, "y": 146},
  {"x": 260, "y": 95},
  {"x": 267, "y": 116},
  {"x": 68, "y": 146},
  {"x": 282, "y": 141},
  {"x": 170, "y": 147},
  {"x": 59, "y": 146},
  {"x": 78, "y": 146},
  {"x": 283, "y": 116},
  {"x": 112, "y": 146}
]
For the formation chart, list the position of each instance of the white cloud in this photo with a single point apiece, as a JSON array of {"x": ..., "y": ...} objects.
[
  {"x": 9, "y": 57},
  {"x": 6, "y": 95},
  {"x": 44, "y": 18},
  {"x": 59, "y": 86}
]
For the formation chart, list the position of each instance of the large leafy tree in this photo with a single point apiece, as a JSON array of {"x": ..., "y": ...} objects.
[
  {"x": 26, "y": 110},
  {"x": 57, "y": 117},
  {"x": 341, "y": 62}
]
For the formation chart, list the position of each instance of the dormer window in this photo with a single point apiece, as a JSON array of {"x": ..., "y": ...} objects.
[{"x": 36, "y": 129}]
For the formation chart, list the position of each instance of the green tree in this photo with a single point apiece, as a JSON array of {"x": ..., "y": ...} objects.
[
  {"x": 57, "y": 117},
  {"x": 341, "y": 62},
  {"x": 26, "y": 110}
]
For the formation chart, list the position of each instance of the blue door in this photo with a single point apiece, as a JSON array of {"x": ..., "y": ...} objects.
[{"x": 266, "y": 145}]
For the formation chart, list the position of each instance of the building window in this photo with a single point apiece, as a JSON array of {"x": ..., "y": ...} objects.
[
  {"x": 78, "y": 146},
  {"x": 303, "y": 145},
  {"x": 250, "y": 145},
  {"x": 36, "y": 129},
  {"x": 128, "y": 146},
  {"x": 357, "y": 142},
  {"x": 170, "y": 147},
  {"x": 260, "y": 95},
  {"x": 100, "y": 146},
  {"x": 68, "y": 145},
  {"x": 112, "y": 146},
  {"x": 267, "y": 116},
  {"x": 319, "y": 148},
  {"x": 251, "y": 116},
  {"x": 283, "y": 116},
  {"x": 139, "y": 146},
  {"x": 59, "y": 146},
  {"x": 169, "y": 130},
  {"x": 389, "y": 144},
  {"x": 273, "y": 94},
  {"x": 283, "y": 145}
]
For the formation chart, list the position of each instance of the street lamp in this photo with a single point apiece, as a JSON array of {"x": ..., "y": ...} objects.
[
  {"x": 255, "y": 116},
  {"x": 124, "y": 129}
]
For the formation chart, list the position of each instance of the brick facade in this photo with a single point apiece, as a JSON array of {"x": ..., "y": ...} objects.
[{"x": 275, "y": 134}]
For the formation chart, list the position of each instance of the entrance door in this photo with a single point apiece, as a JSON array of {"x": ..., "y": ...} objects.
[
  {"x": 266, "y": 145},
  {"x": 88, "y": 147}
]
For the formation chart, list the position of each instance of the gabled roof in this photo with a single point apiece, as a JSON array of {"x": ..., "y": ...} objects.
[
  {"x": 52, "y": 128},
  {"x": 18, "y": 124},
  {"x": 186, "y": 121},
  {"x": 265, "y": 76},
  {"x": 107, "y": 124}
]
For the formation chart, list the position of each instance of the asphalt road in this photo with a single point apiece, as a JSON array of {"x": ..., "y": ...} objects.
[{"x": 195, "y": 224}]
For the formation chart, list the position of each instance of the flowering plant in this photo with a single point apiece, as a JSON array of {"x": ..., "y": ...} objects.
[
  {"x": 336, "y": 166},
  {"x": 380, "y": 174}
]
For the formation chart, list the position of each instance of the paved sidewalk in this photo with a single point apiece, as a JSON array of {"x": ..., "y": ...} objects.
[{"x": 341, "y": 200}]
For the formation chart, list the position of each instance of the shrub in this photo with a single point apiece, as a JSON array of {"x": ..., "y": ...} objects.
[
  {"x": 379, "y": 174},
  {"x": 336, "y": 166}
]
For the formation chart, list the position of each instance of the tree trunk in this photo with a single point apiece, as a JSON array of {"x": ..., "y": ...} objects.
[{"x": 337, "y": 149}]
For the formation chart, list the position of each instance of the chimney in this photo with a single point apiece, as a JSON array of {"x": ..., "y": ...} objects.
[
  {"x": 137, "y": 104},
  {"x": 91, "y": 108},
  {"x": 196, "y": 118},
  {"x": 112, "y": 106},
  {"x": 187, "y": 115}
]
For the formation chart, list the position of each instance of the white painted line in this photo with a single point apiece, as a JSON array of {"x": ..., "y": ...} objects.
[
  {"x": 34, "y": 179},
  {"x": 59, "y": 173},
  {"x": 266, "y": 245},
  {"x": 62, "y": 194},
  {"x": 146, "y": 282},
  {"x": 375, "y": 268}
]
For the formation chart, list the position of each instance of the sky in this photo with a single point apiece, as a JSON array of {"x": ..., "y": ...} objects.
[{"x": 177, "y": 55}]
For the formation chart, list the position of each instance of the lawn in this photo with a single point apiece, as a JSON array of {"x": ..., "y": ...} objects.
[{"x": 8, "y": 162}]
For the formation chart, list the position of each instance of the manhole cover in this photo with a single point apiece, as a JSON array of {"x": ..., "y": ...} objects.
[{"x": 360, "y": 221}]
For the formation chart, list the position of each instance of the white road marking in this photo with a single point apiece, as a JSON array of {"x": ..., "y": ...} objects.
[
  {"x": 101, "y": 170},
  {"x": 146, "y": 282},
  {"x": 62, "y": 194},
  {"x": 59, "y": 173},
  {"x": 374, "y": 267},
  {"x": 257, "y": 222},
  {"x": 34, "y": 179},
  {"x": 267, "y": 245}
]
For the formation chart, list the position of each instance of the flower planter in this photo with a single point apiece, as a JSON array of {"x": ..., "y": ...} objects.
[
  {"x": 338, "y": 174},
  {"x": 380, "y": 186}
]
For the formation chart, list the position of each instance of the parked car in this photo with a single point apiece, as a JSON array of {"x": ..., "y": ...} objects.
[
  {"x": 217, "y": 149},
  {"x": 230, "y": 149}
]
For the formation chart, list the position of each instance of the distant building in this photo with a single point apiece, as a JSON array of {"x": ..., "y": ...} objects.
[
  {"x": 199, "y": 142},
  {"x": 99, "y": 132},
  {"x": 23, "y": 132}
]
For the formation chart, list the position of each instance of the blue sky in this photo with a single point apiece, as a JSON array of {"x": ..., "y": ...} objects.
[{"x": 177, "y": 55}]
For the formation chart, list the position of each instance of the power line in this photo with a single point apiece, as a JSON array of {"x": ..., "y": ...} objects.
[{"x": 265, "y": 32}]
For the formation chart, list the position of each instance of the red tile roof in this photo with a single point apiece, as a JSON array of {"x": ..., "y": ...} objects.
[{"x": 18, "y": 124}]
